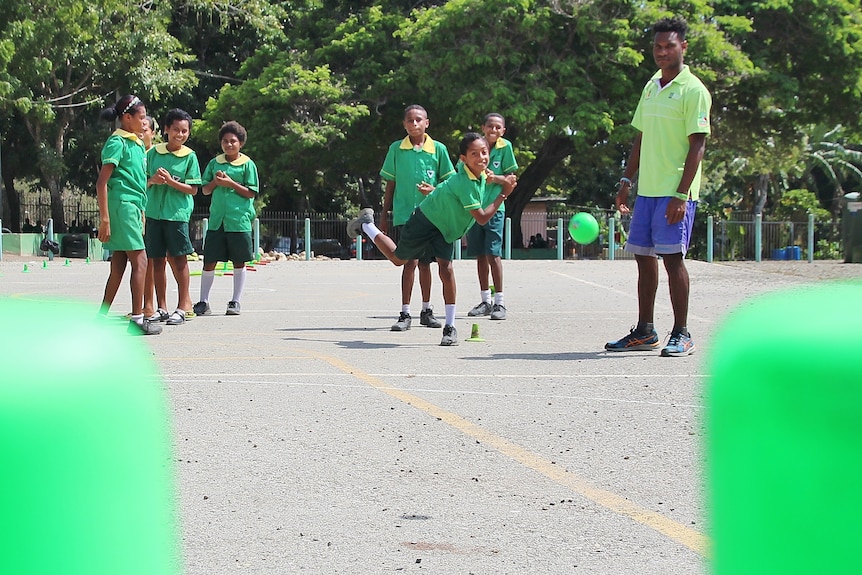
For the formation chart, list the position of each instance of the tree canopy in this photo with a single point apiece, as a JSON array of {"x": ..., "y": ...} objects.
[{"x": 321, "y": 86}]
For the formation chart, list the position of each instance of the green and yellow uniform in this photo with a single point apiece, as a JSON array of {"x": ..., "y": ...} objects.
[
  {"x": 231, "y": 215},
  {"x": 443, "y": 217},
  {"x": 169, "y": 210},
  {"x": 164, "y": 202},
  {"x": 501, "y": 161},
  {"x": 487, "y": 239},
  {"x": 127, "y": 190},
  {"x": 408, "y": 166},
  {"x": 228, "y": 209}
]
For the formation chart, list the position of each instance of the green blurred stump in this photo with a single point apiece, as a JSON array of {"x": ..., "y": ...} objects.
[
  {"x": 86, "y": 485},
  {"x": 784, "y": 434}
]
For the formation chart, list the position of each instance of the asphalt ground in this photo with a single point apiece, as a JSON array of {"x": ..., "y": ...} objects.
[{"x": 309, "y": 438}]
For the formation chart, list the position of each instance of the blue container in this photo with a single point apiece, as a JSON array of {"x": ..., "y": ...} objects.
[
  {"x": 779, "y": 254},
  {"x": 793, "y": 252}
]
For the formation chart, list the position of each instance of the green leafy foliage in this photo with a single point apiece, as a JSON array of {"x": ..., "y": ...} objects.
[
  {"x": 795, "y": 205},
  {"x": 294, "y": 116},
  {"x": 68, "y": 58},
  {"x": 322, "y": 85}
]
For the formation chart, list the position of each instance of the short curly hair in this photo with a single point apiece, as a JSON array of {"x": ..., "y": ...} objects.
[
  {"x": 234, "y": 128},
  {"x": 676, "y": 24}
]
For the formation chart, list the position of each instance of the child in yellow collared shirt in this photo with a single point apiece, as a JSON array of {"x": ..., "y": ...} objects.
[
  {"x": 121, "y": 191},
  {"x": 231, "y": 178}
]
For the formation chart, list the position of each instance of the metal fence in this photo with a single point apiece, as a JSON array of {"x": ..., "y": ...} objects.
[
  {"x": 285, "y": 232},
  {"x": 735, "y": 238},
  {"x": 80, "y": 210},
  {"x": 747, "y": 237}
]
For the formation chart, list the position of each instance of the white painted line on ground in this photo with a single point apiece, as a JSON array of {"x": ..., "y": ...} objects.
[{"x": 512, "y": 395}]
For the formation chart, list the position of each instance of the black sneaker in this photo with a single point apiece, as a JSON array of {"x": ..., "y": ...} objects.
[
  {"x": 634, "y": 341},
  {"x": 427, "y": 318},
  {"x": 146, "y": 327},
  {"x": 450, "y": 336},
  {"x": 403, "y": 323},
  {"x": 202, "y": 308}
]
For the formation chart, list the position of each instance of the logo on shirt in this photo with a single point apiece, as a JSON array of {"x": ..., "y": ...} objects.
[
  {"x": 703, "y": 121},
  {"x": 430, "y": 174},
  {"x": 496, "y": 164}
]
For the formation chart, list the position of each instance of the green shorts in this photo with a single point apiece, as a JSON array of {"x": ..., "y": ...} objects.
[
  {"x": 222, "y": 246},
  {"x": 420, "y": 239},
  {"x": 127, "y": 227},
  {"x": 426, "y": 258},
  {"x": 167, "y": 238},
  {"x": 487, "y": 239}
]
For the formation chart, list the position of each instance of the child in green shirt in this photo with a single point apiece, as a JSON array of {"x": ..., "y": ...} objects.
[
  {"x": 409, "y": 163},
  {"x": 174, "y": 177},
  {"x": 121, "y": 191},
  {"x": 485, "y": 242},
  {"x": 231, "y": 178},
  {"x": 442, "y": 218}
]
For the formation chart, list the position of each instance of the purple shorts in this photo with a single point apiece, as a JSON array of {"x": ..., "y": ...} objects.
[{"x": 649, "y": 233}]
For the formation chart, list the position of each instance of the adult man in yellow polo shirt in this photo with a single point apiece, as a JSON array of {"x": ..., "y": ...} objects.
[{"x": 673, "y": 121}]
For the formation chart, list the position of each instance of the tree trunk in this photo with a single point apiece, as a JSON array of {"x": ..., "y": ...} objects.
[
  {"x": 56, "y": 184},
  {"x": 12, "y": 220},
  {"x": 58, "y": 209},
  {"x": 553, "y": 151},
  {"x": 837, "y": 201},
  {"x": 761, "y": 192}
]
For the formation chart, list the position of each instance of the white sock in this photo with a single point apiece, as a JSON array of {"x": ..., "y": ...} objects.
[
  {"x": 405, "y": 308},
  {"x": 486, "y": 295},
  {"x": 238, "y": 283},
  {"x": 207, "y": 278},
  {"x": 426, "y": 305},
  {"x": 138, "y": 319},
  {"x": 498, "y": 298},
  {"x": 370, "y": 230},
  {"x": 450, "y": 314}
]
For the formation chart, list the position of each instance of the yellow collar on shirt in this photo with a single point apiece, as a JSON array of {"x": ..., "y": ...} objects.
[
  {"x": 181, "y": 153},
  {"x": 427, "y": 145},
  {"x": 129, "y": 135},
  {"x": 239, "y": 161},
  {"x": 471, "y": 175}
]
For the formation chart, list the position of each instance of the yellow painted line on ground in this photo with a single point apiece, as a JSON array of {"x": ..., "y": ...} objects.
[{"x": 678, "y": 532}]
